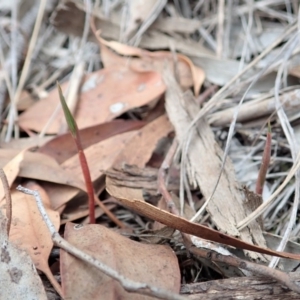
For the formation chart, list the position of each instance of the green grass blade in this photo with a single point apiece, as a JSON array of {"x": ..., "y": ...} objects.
[{"x": 68, "y": 115}]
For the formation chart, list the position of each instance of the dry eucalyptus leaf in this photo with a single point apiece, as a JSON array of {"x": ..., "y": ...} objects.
[
  {"x": 188, "y": 74},
  {"x": 176, "y": 24},
  {"x": 99, "y": 100},
  {"x": 28, "y": 229},
  {"x": 63, "y": 147},
  {"x": 26, "y": 142},
  {"x": 100, "y": 157},
  {"x": 41, "y": 167},
  {"x": 143, "y": 143},
  {"x": 69, "y": 18},
  {"x": 11, "y": 170},
  {"x": 18, "y": 276},
  {"x": 130, "y": 199},
  {"x": 153, "y": 264}
]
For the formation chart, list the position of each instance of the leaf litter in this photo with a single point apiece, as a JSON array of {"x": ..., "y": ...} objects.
[{"x": 184, "y": 175}]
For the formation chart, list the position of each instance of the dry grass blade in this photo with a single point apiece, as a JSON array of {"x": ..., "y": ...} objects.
[
  {"x": 5, "y": 186},
  {"x": 25, "y": 70}
]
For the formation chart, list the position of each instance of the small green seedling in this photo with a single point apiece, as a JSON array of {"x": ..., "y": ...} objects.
[{"x": 83, "y": 162}]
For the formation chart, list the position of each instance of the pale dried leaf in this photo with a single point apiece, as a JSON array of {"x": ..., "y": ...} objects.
[
  {"x": 18, "y": 276},
  {"x": 11, "y": 170},
  {"x": 41, "y": 167},
  {"x": 28, "y": 229},
  {"x": 153, "y": 264},
  {"x": 99, "y": 100},
  {"x": 100, "y": 157},
  {"x": 141, "y": 11},
  {"x": 143, "y": 143},
  {"x": 189, "y": 74}
]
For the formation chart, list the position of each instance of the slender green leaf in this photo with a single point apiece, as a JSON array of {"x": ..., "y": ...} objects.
[{"x": 68, "y": 115}]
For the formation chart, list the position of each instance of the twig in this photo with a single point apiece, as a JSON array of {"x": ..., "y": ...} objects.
[
  {"x": 206, "y": 109},
  {"x": 161, "y": 176},
  {"x": 152, "y": 16},
  {"x": 278, "y": 275},
  {"x": 127, "y": 284},
  {"x": 220, "y": 32},
  {"x": 209, "y": 91},
  {"x": 109, "y": 213},
  {"x": 233, "y": 122},
  {"x": 8, "y": 199},
  {"x": 266, "y": 203}
]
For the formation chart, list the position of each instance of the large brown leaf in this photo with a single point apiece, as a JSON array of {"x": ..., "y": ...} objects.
[
  {"x": 63, "y": 146},
  {"x": 11, "y": 170},
  {"x": 139, "y": 148},
  {"x": 100, "y": 157},
  {"x": 41, "y": 167},
  {"x": 145, "y": 61},
  {"x": 105, "y": 95},
  {"x": 153, "y": 264}
]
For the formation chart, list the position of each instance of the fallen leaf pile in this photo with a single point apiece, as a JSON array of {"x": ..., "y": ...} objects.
[{"x": 172, "y": 101}]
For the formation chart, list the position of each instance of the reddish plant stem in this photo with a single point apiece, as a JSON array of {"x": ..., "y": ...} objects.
[
  {"x": 109, "y": 213},
  {"x": 264, "y": 164},
  {"x": 162, "y": 173},
  {"x": 90, "y": 189},
  {"x": 87, "y": 179},
  {"x": 208, "y": 92}
]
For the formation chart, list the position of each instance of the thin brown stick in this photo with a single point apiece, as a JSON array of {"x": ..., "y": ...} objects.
[
  {"x": 109, "y": 213},
  {"x": 208, "y": 92},
  {"x": 8, "y": 199},
  {"x": 280, "y": 276},
  {"x": 161, "y": 176},
  {"x": 264, "y": 163}
]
